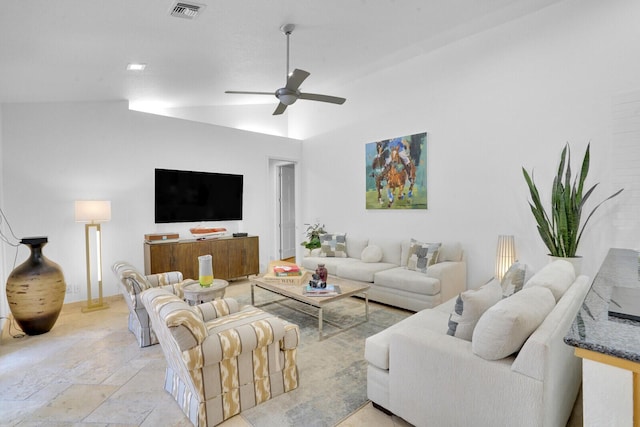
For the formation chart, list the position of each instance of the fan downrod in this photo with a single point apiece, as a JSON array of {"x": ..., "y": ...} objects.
[{"x": 287, "y": 29}]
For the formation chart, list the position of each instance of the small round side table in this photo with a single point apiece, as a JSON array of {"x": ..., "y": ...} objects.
[{"x": 196, "y": 294}]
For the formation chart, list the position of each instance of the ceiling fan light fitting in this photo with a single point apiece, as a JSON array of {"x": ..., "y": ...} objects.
[
  {"x": 287, "y": 28},
  {"x": 288, "y": 99}
]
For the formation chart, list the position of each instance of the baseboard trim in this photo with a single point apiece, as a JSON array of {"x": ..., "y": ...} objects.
[{"x": 382, "y": 409}]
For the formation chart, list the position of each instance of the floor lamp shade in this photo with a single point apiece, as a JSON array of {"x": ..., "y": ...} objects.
[
  {"x": 505, "y": 255},
  {"x": 92, "y": 213}
]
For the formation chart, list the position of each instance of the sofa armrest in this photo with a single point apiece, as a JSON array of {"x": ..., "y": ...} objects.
[
  {"x": 217, "y": 308},
  {"x": 166, "y": 278},
  {"x": 178, "y": 288},
  {"x": 452, "y": 276},
  {"x": 435, "y": 379},
  {"x": 291, "y": 337}
]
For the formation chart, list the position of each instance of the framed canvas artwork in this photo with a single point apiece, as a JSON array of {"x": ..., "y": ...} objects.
[{"x": 396, "y": 173}]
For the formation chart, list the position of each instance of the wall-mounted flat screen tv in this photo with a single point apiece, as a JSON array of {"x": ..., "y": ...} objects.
[{"x": 189, "y": 196}]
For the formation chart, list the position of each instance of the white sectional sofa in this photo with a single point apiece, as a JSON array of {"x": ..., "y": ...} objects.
[
  {"x": 385, "y": 266},
  {"x": 514, "y": 369}
]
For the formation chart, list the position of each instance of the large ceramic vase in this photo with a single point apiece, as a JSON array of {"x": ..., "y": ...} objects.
[{"x": 35, "y": 290}]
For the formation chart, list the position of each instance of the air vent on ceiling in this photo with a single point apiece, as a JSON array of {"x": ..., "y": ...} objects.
[{"x": 186, "y": 10}]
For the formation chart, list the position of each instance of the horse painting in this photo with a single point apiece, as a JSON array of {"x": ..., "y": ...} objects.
[
  {"x": 388, "y": 167},
  {"x": 396, "y": 173}
]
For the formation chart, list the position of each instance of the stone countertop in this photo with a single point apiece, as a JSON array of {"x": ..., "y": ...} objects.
[{"x": 593, "y": 328}]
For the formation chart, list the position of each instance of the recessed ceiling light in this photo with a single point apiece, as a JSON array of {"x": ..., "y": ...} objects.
[{"x": 136, "y": 67}]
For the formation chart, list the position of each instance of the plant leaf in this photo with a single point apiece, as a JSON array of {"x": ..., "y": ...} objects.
[{"x": 560, "y": 230}]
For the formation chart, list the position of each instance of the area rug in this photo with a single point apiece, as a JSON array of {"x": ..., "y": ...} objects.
[{"x": 332, "y": 371}]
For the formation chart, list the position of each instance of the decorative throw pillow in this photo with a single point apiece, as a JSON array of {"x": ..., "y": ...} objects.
[
  {"x": 515, "y": 278},
  {"x": 422, "y": 255},
  {"x": 557, "y": 276},
  {"x": 333, "y": 245},
  {"x": 503, "y": 329},
  {"x": 470, "y": 306},
  {"x": 371, "y": 253}
]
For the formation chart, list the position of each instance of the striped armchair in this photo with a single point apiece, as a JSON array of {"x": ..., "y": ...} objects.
[
  {"x": 132, "y": 284},
  {"x": 222, "y": 358}
]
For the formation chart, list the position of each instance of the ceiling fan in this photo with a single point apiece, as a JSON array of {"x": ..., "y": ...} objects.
[{"x": 290, "y": 93}]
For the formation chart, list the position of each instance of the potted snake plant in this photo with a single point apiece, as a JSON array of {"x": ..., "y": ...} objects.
[{"x": 562, "y": 227}]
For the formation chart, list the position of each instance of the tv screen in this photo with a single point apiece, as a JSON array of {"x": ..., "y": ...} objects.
[{"x": 188, "y": 196}]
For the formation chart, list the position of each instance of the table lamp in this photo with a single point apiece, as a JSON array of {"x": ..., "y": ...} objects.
[
  {"x": 505, "y": 255},
  {"x": 92, "y": 213}
]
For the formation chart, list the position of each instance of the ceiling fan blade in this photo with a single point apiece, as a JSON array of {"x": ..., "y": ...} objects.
[
  {"x": 323, "y": 98},
  {"x": 249, "y": 93},
  {"x": 280, "y": 109},
  {"x": 296, "y": 78}
]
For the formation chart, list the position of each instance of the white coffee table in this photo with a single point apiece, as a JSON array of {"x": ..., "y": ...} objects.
[{"x": 196, "y": 294}]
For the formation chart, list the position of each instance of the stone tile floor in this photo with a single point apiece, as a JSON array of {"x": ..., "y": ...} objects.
[{"x": 89, "y": 371}]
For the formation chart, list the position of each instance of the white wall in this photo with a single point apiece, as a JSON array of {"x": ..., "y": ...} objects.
[
  {"x": 506, "y": 98},
  {"x": 492, "y": 103},
  {"x": 54, "y": 154},
  {"x": 4, "y": 307}
]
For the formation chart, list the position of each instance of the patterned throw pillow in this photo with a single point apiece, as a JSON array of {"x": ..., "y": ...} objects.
[
  {"x": 515, "y": 278},
  {"x": 333, "y": 245},
  {"x": 470, "y": 306},
  {"x": 422, "y": 255}
]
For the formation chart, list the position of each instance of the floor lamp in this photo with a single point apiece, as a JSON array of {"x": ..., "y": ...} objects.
[
  {"x": 92, "y": 213},
  {"x": 505, "y": 255}
]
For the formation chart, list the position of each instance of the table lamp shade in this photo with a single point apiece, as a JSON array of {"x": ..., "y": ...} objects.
[
  {"x": 93, "y": 211},
  {"x": 505, "y": 255}
]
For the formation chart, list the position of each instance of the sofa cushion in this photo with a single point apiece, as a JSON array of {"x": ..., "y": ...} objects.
[
  {"x": 391, "y": 249},
  {"x": 557, "y": 276},
  {"x": 407, "y": 280},
  {"x": 355, "y": 246},
  {"x": 514, "y": 279},
  {"x": 503, "y": 329},
  {"x": 450, "y": 252},
  {"x": 372, "y": 253},
  {"x": 333, "y": 245},
  {"x": 311, "y": 263},
  {"x": 404, "y": 252},
  {"x": 469, "y": 307},
  {"x": 376, "y": 350},
  {"x": 362, "y": 271},
  {"x": 422, "y": 255}
]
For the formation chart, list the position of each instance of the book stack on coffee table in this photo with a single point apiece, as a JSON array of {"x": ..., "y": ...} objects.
[
  {"x": 287, "y": 270},
  {"x": 286, "y": 273},
  {"x": 328, "y": 291}
]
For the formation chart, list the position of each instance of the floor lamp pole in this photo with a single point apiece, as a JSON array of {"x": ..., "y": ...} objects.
[{"x": 91, "y": 305}]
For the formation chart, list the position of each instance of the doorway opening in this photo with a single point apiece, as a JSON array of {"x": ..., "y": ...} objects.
[{"x": 286, "y": 216}]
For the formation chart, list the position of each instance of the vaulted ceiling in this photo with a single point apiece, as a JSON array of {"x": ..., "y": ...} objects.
[{"x": 78, "y": 50}]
